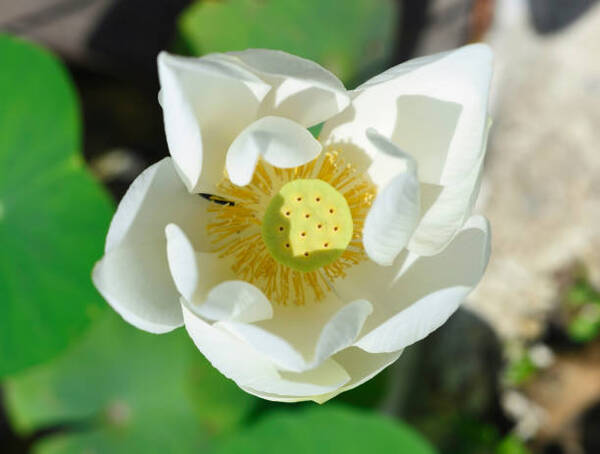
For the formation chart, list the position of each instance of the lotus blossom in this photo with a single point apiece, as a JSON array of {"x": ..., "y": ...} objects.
[{"x": 302, "y": 267}]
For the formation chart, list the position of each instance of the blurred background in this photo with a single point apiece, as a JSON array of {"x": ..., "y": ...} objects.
[{"x": 515, "y": 371}]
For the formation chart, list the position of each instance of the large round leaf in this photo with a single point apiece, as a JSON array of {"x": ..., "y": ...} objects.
[
  {"x": 53, "y": 215},
  {"x": 353, "y": 38},
  {"x": 121, "y": 390},
  {"x": 326, "y": 429}
]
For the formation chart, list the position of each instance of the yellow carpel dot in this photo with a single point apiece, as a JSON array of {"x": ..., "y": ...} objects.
[{"x": 317, "y": 225}]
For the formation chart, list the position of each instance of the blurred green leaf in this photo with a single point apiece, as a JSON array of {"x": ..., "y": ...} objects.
[
  {"x": 122, "y": 390},
  {"x": 53, "y": 215},
  {"x": 217, "y": 401},
  {"x": 585, "y": 325},
  {"x": 582, "y": 292},
  {"x": 520, "y": 370},
  {"x": 370, "y": 394},
  {"x": 512, "y": 445},
  {"x": 326, "y": 429},
  {"x": 353, "y": 39}
]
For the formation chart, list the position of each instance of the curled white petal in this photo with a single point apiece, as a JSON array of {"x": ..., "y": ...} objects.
[
  {"x": 302, "y": 90},
  {"x": 434, "y": 108},
  {"x": 207, "y": 282},
  {"x": 135, "y": 281},
  {"x": 340, "y": 331},
  {"x": 445, "y": 209},
  {"x": 133, "y": 276},
  {"x": 252, "y": 370},
  {"x": 358, "y": 364},
  {"x": 206, "y": 102},
  {"x": 411, "y": 300},
  {"x": 281, "y": 142},
  {"x": 236, "y": 300},
  {"x": 395, "y": 211}
]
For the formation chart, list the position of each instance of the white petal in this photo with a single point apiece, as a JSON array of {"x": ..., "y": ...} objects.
[
  {"x": 156, "y": 198},
  {"x": 433, "y": 108},
  {"x": 444, "y": 211},
  {"x": 415, "y": 322},
  {"x": 340, "y": 331},
  {"x": 395, "y": 211},
  {"x": 276, "y": 348},
  {"x": 133, "y": 276},
  {"x": 360, "y": 366},
  {"x": 302, "y": 90},
  {"x": 135, "y": 281},
  {"x": 281, "y": 142},
  {"x": 194, "y": 273},
  {"x": 207, "y": 282},
  {"x": 236, "y": 300},
  {"x": 252, "y": 370},
  {"x": 206, "y": 102},
  {"x": 412, "y": 300}
]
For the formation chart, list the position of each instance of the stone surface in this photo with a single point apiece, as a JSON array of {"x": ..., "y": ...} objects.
[{"x": 541, "y": 188}]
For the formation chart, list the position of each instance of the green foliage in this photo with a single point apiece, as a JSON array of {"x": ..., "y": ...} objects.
[
  {"x": 123, "y": 390},
  {"x": 353, "y": 38},
  {"x": 53, "y": 215},
  {"x": 316, "y": 130},
  {"x": 520, "y": 370},
  {"x": 585, "y": 326},
  {"x": 581, "y": 292},
  {"x": 512, "y": 445},
  {"x": 326, "y": 429},
  {"x": 583, "y": 303}
]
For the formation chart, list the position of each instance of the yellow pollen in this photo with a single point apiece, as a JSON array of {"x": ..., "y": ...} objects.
[{"x": 328, "y": 239}]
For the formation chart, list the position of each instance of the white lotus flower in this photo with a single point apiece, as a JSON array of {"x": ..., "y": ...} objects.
[{"x": 301, "y": 267}]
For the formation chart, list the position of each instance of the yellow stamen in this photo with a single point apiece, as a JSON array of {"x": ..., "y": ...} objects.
[{"x": 235, "y": 229}]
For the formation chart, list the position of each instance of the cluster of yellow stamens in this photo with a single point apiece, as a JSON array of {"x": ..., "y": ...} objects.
[{"x": 291, "y": 232}]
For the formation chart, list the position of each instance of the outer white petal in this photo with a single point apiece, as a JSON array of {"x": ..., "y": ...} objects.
[
  {"x": 444, "y": 210},
  {"x": 135, "y": 281},
  {"x": 133, "y": 276},
  {"x": 281, "y": 142},
  {"x": 206, "y": 281},
  {"x": 340, "y": 331},
  {"x": 252, "y": 370},
  {"x": 395, "y": 212},
  {"x": 360, "y": 366},
  {"x": 206, "y": 102},
  {"x": 302, "y": 90},
  {"x": 434, "y": 108},
  {"x": 416, "y": 296}
]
